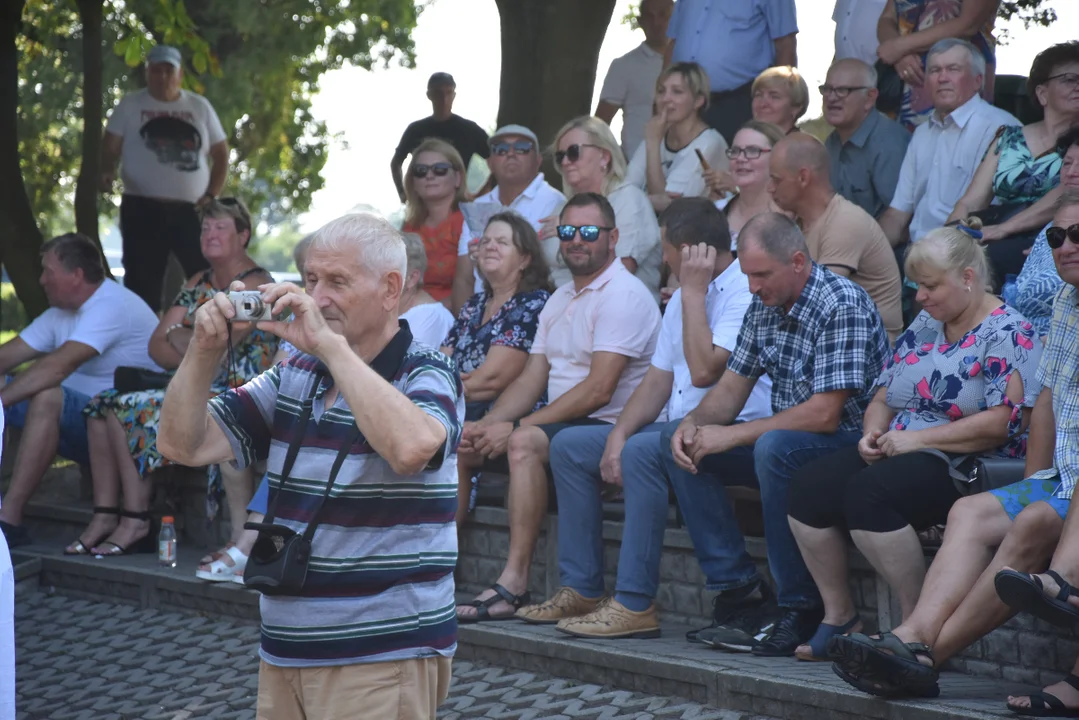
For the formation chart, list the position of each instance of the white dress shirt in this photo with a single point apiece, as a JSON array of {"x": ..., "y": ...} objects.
[{"x": 856, "y": 29}]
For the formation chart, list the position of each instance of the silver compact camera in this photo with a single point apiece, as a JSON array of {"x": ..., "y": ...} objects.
[{"x": 250, "y": 306}]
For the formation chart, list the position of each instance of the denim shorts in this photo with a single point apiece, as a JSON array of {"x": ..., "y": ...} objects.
[
  {"x": 261, "y": 498},
  {"x": 1019, "y": 495},
  {"x": 73, "y": 443}
]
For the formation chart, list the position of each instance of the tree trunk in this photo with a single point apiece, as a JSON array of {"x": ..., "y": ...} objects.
[
  {"x": 86, "y": 210},
  {"x": 550, "y": 49},
  {"x": 20, "y": 238}
]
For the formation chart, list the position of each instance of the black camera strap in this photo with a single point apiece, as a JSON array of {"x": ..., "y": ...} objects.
[{"x": 338, "y": 461}]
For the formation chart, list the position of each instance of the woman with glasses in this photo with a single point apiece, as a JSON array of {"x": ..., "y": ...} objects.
[
  {"x": 780, "y": 97},
  {"x": 589, "y": 159},
  {"x": 434, "y": 190},
  {"x": 678, "y": 143},
  {"x": 1016, "y": 186},
  {"x": 122, "y": 427}
]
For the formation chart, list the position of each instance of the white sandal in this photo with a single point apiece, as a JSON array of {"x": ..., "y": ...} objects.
[{"x": 220, "y": 571}]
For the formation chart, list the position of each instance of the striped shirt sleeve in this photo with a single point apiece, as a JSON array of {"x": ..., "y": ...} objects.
[
  {"x": 245, "y": 415},
  {"x": 434, "y": 387}
]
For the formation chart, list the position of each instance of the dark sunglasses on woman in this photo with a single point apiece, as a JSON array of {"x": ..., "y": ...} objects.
[
  {"x": 521, "y": 147},
  {"x": 1055, "y": 236},
  {"x": 572, "y": 153},
  {"x": 589, "y": 233},
  {"x": 440, "y": 169}
]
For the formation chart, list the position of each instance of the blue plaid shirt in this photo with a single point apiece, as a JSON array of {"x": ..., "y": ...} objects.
[
  {"x": 832, "y": 339},
  {"x": 1057, "y": 373}
]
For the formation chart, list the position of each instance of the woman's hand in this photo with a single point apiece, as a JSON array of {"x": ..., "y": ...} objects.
[
  {"x": 992, "y": 233},
  {"x": 548, "y": 227},
  {"x": 719, "y": 183},
  {"x": 869, "y": 448},
  {"x": 900, "y": 442},
  {"x": 910, "y": 70},
  {"x": 656, "y": 127},
  {"x": 893, "y": 50}
]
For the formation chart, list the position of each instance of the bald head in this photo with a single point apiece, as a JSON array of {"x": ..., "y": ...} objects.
[
  {"x": 802, "y": 151},
  {"x": 799, "y": 173}
]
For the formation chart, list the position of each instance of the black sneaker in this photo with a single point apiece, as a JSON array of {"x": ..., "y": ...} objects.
[
  {"x": 746, "y": 627},
  {"x": 795, "y": 628},
  {"x": 724, "y": 608}
]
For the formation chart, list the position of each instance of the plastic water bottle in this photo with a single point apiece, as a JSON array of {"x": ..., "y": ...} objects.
[
  {"x": 1010, "y": 290},
  {"x": 166, "y": 542}
]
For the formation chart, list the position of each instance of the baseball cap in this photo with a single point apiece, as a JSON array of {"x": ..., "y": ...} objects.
[
  {"x": 515, "y": 130},
  {"x": 164, "y": 54},
  {"x": 441, "y": 78}
]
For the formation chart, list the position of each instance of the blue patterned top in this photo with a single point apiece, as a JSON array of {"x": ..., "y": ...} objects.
[
  {"x": 1038, "y": 283},
  {"x": 514, "y": 326}
]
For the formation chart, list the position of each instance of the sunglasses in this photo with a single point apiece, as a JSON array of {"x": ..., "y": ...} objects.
[
  {"x": 572, "y": 153},
  {"x": 440, "y": 169},
  {"x": 751, "y": 152},
  {"x": 521, "y": 147},
  {"x": 589, "y": 233},
  {"x": 1055, "y": 236}
]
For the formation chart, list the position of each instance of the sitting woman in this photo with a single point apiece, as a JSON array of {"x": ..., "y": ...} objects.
[
  {"x": 434, "y": 189},
  {"x": 678, "y": 144},
  {"x": 589, "y": 159},
  {"x": 122, "y": 427},
  {"x": 780, "y": 97},
  {"x": 955, "y": 388},
  {"x": 1016, "y": 186},
  {"x": 493, "y": 334},
  {"x": 428, "y": 319}
]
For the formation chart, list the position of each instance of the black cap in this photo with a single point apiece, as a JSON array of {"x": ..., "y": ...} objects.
[{"x": 441, "y": 78}]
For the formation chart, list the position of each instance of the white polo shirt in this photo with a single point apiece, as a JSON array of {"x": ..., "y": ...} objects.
[
  {"x": 856, "y": 29},
  {"x": 725, "y": 305},
  {"x": 941, "y": 161},
  {"x": 631, "y": 85}
]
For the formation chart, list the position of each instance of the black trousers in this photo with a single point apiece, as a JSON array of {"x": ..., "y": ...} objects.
[
  {"x": 151, "y": 229},
  {"x": 729, "y": 110}
]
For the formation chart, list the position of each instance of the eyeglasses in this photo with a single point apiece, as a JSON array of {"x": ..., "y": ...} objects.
[
  {"x": 751, "y": 152},
  {"x": 1068, "y": 80},
  {"x": 589, "y": 233},
  {"x": 440, "y": 169},
  {"x": 840, "y": 91},
  {"x": 1055, "y": 236},
  {"x": 521, "y": 147},
  {"x": 572, "y": 153}
]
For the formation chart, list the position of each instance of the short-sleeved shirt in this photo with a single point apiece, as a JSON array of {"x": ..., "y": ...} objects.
[
  {"x": 831, "y": 339},
  {"x": 466, "y": 136},
  {"x": 846, "y": 236},
  {"x": 681, "y": 168},
  {"x": 865, "y": 169},
  {"x": 733, "y": 40},
  {"x": 1057, "y": 374},
  {"x": 379, "y": 587},
  {"x": 1038, "y": 284},
  {"x": 614, "y": 313},
  {"x": 429, "y": 323},
  {"x": 725, "y": 305},
  {"x": 931, "y": 382},
  {"x": 440, "y": 242},
  {"x": 513, "y": 325},
  {"x": 631, "y": 85},
  {"x": 941, "y": 160},
  {"x": 114, "y": 321},
  {"x": 166, "y": 145},
  {"x": 856, "y": 29}
]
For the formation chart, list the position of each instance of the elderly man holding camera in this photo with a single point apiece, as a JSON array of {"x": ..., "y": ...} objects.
[{"x": 360, "y": 429}]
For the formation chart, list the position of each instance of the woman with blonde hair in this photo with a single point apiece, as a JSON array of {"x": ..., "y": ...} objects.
[
  {"x": 589, "y": 159},
  {"x": 780, "y": 97},
  {"x": 434, "y": 190},
  {"x": 428, "y": 319}
]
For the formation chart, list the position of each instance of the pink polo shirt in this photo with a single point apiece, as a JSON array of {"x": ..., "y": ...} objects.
[{"x": 614, "y": 313}]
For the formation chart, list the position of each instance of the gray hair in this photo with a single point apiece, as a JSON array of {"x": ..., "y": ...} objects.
[
  {"x": 949, "y": 249},
  {"x": 869, "y": 73},
  {"x": 299, "y": 253},
  {"x": 977, "y": 60},
  {"x": 1068, "y": 198},
  {"x": 776, "y": 234},
  {"x": 381, "y": 247},
  {"x": 416, "y": 254}
]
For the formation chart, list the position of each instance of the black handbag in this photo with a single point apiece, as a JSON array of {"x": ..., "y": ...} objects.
[
  {"x": 133, "y": 379},
  {"x": 973, "y": 474},
  {"x": 889, "y": 89}
]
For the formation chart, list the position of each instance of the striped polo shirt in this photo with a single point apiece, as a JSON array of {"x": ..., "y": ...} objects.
[{"x": 379, "y": 585}]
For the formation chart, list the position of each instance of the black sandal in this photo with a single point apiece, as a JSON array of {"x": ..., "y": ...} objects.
[
  {"x": 145, "y": 544},
  {"x": 885, "y": 666},
  {"x": 1024, "y": 592},
  {"x": 483, "y": 607},
  {"x": 83, "y": 548},
  {"x": 1043, "y": 704}
]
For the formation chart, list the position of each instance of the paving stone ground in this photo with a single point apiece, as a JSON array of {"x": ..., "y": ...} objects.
[{"x": 80, "y": 659}]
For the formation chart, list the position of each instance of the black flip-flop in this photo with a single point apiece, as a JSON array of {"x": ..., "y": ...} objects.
[
  {"x": 1024, "y": 592},
  {"x": 1043, "y": 704},
  {"x": 483, "y": 607}
]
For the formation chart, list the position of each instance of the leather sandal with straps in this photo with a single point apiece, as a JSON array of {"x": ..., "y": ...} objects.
[
  {"x": 483, "y": 607},
  {"x": 145, "y": 544},
  {"x": 885, "y": 665},
  {"x": 83, "y": 548},
  {"x": 1024, "y": 592},
  {"x": 1043, "y": 704}
]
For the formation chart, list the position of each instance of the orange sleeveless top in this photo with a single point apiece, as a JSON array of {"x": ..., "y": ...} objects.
[{"x": 440, "y": 241}]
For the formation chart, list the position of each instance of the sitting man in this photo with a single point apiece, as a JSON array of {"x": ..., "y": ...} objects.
[
  {"x": 820, "y": 339},
  {"x": 595, "y": 339},
  {"x": 866, "y": 148},
  {"x": 1012, "y": 527},
  {"x": 698, "y": 333},
  {"x": 93, "y": 326},
  {"x": 365, "y": 410},
  {"x": 841, "y": 236}
]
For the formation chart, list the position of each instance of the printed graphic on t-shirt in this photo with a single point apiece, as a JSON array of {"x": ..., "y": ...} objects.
[{"x": 172, "y": 137}]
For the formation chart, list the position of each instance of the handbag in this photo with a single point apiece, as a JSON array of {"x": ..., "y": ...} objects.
[
  {"x": 889, "y": 89},
  {"x": 278, "y": 562},
  {"x": 133, "y": 379},
  {"x": 973, "y": 474}
]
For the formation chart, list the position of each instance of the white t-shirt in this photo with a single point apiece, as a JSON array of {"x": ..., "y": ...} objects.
[
  {"x": 683, "y": 168},
  {"x": 631, "y": 85},
  {"x": 165, "y": 144},
  {"x": 856, "y": 29},
  {"x": 429, "y": 323},
  {"x": 114, "y": 321},
  {"x": 725, "y": 305}
]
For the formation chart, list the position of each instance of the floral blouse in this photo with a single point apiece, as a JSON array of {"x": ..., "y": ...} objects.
[
  {"x": 932, "y": 382},
  {"x": 513, "y": 326},
  {"x": 1021, "y": 177}
]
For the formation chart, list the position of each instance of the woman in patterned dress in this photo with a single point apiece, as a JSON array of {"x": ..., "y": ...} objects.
[{"x": 122, "y": 427}]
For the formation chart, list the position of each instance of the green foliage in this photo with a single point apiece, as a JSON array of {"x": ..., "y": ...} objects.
[
  {"x": 274, "y": 251},
  {"x": 12, "y": 314},
  {"x": 630, "y": 18}
]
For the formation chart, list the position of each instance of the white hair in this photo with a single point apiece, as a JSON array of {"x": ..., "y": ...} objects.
[
  {"x": 977, "y": 60},
  {"x": 869, "y": 73},
  {"x": 381, "y": 247}
]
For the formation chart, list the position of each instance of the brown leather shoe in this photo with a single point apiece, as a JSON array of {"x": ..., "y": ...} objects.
[
  {"x": 612, "y": 619},
  {"x": 566, "y": 603}
]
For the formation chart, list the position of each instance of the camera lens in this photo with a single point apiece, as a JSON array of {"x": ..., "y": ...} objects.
[{"x": 253, "y": 306}]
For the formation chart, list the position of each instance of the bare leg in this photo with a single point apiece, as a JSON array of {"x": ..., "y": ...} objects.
[
  {"x": 467, "y": 464},
  {"x": 137, "y": 491},
  {"x": 1066, "y": 558},
  {"x": 825, "y": 554},
  {"x": 528, "y": 456},
  {"x": 899, "y": 558},
  {"x": 106, "y": 479},
  {"x": 238, "y": 492},
  {"x": 37, "y": 448},
  {"x": 246, "y": 540}
]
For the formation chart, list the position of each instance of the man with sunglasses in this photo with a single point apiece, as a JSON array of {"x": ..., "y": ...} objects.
[
  {"x": 595, "y": 338},
  {"x": 466, "y": 136}
]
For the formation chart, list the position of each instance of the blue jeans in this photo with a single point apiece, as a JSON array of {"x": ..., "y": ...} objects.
[
  {"x": 575, "y": 458},
  {"x": 73, "y": 442},
  {"x": 710, "y": 519}
]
